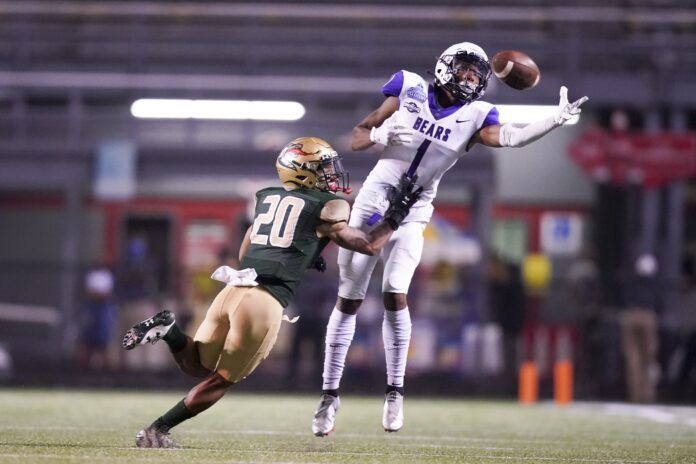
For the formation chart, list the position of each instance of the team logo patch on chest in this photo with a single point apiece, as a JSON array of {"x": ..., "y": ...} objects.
[
  {"x": 417, "y": 93},
  {"x": 412, "y": 107}
]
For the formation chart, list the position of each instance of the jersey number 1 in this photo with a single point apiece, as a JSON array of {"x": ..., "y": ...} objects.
[{"x": 283, "y": 215}]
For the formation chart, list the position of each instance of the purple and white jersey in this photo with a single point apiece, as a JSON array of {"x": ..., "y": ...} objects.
[{"x": 441, "y": 134}]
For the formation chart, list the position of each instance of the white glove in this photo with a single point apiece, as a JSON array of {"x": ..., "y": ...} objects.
[
  {"x": 391, "y": 133},
  {"x": 567, "y": 110},
  {"x": 514, "y": 135}
]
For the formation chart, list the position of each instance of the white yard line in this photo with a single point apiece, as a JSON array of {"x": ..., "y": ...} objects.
[
  {"x": 379, "y": 435},
  {"x": 557, "y": 459},
  {"x": 680, "y": 415},
  {"x": 149, "y": 457},
  {"x": 57, "y": 427}
]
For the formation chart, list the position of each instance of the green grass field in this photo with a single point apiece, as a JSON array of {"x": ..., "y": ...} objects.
[{"x": 39, "y": 426}]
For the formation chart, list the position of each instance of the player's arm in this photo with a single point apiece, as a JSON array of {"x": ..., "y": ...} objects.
[
  {"x": 488, "y": 136},
  {"x": 246, "y": 242},
  {"x": 355, "y": 239},
  {"x": 380, "y": 127},
  {"x": 335, "y": 226},
  {"x": 519, "y": 135}
]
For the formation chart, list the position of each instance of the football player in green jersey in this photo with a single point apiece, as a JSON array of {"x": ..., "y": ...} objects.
[{"x": 292, "y": 225}]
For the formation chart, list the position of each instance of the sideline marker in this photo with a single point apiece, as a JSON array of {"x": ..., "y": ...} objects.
[
  {"x": 529, "y": 383},
  {"x": 563, "y": 382}
]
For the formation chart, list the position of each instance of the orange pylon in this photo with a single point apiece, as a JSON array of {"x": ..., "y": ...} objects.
[
  {"x": 563, "y": 382},
  {"x": 529, "y": 383}
]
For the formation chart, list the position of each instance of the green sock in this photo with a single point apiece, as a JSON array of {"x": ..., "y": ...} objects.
[
  {"x": 175, "y": 339},
  {"x": 175, "y": 416}
]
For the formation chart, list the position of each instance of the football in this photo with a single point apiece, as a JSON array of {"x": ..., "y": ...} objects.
[{"x": 516, "y": 69}]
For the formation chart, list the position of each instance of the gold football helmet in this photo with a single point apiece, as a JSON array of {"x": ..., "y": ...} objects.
[{"x": 310, "y": 162}]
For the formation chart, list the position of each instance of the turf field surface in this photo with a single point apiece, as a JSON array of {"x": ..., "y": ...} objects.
[{"x": 39, "y": 426}]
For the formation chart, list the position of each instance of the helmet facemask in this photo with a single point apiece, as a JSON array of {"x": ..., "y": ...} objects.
[
  {"x": 464, "y": 90},
  {"x": 331, "y": 176}
]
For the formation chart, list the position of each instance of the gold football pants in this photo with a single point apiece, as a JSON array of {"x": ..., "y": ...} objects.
[{"x": 239, "y": 331}]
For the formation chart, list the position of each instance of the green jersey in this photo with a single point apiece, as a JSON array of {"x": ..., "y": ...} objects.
[{"x": 283, "y": 238}]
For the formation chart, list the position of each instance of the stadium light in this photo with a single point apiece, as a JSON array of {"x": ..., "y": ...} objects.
[
  {"x": 161, "y": 108},
  {"x": 525, "y": 114}
]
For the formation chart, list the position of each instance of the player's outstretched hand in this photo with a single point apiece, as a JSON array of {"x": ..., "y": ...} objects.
[
  {"x": 391, "y": 133},
  {"x": 567, "y": 110},
  {"x": 319, "y": 264},
  {"x": 401, "y": 199}
]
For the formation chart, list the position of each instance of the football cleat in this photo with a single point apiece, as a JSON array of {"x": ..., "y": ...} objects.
[
  {"x": 324, "y": 421},
  {"x": 153, "y": 438},
  {"x": 393, "y": 414},
  {"x": 149, "y": 331}
]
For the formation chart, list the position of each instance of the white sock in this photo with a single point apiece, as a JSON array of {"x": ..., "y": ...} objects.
[
  {"x": 396, "y": 334},
  {"x": 339, "y": 335}
]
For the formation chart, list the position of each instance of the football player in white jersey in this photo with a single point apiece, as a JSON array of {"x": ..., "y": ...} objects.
[{"x": 424, "y": 128}]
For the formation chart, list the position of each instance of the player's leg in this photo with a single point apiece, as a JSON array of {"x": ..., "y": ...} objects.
[
  {"x": 253, "y": 319},
  {"x": 198, "y": 358},
  {"x": 355, "y": 270},
  {"x": 253, "y": 332},
  {"x": 339, "y": 335},
  {"x": 402, "y": 256},
  {"x": 212, "y": 331},
  {"x": 162, "y": 326},
  {"x": 198, "y": 399}
]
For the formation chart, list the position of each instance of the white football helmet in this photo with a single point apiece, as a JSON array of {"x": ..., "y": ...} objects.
[{"x": 464, "y": 54}]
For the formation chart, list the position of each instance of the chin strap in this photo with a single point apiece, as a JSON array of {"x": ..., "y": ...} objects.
[{"x": 346, "y": 190}]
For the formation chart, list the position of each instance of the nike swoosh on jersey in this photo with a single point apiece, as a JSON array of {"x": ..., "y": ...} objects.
[{"x": 463, "y": 120}]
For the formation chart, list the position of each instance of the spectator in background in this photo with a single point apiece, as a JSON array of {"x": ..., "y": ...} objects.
[
  {"x": 583, "y": 281},
  {"x": 136, "y": 290},
  {"x": 203, "y": 289},
  {"x": 584, "y": 299},
  {"x": 311, "y": 301},
  {"x": 99, "y": 318},
  {"x": 638, "y": 325},
  {"x": 688, "y": 364},
  {"x": 685, "y": 325},
  {"x": 506, "y": 300}
]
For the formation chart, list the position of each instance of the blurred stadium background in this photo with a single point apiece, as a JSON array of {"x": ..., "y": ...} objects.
[{"x": 538, "y": 254}]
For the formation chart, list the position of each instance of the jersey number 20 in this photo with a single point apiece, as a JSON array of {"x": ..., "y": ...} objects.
[{"x": 283, "y": 215}]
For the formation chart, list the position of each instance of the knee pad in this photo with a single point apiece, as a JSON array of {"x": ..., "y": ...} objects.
[
  {"x": 403, "y": 258},
  {"x": 355, "y": 270}
]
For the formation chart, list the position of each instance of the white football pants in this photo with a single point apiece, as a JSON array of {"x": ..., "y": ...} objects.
[{"x": 400, "y": 256}]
